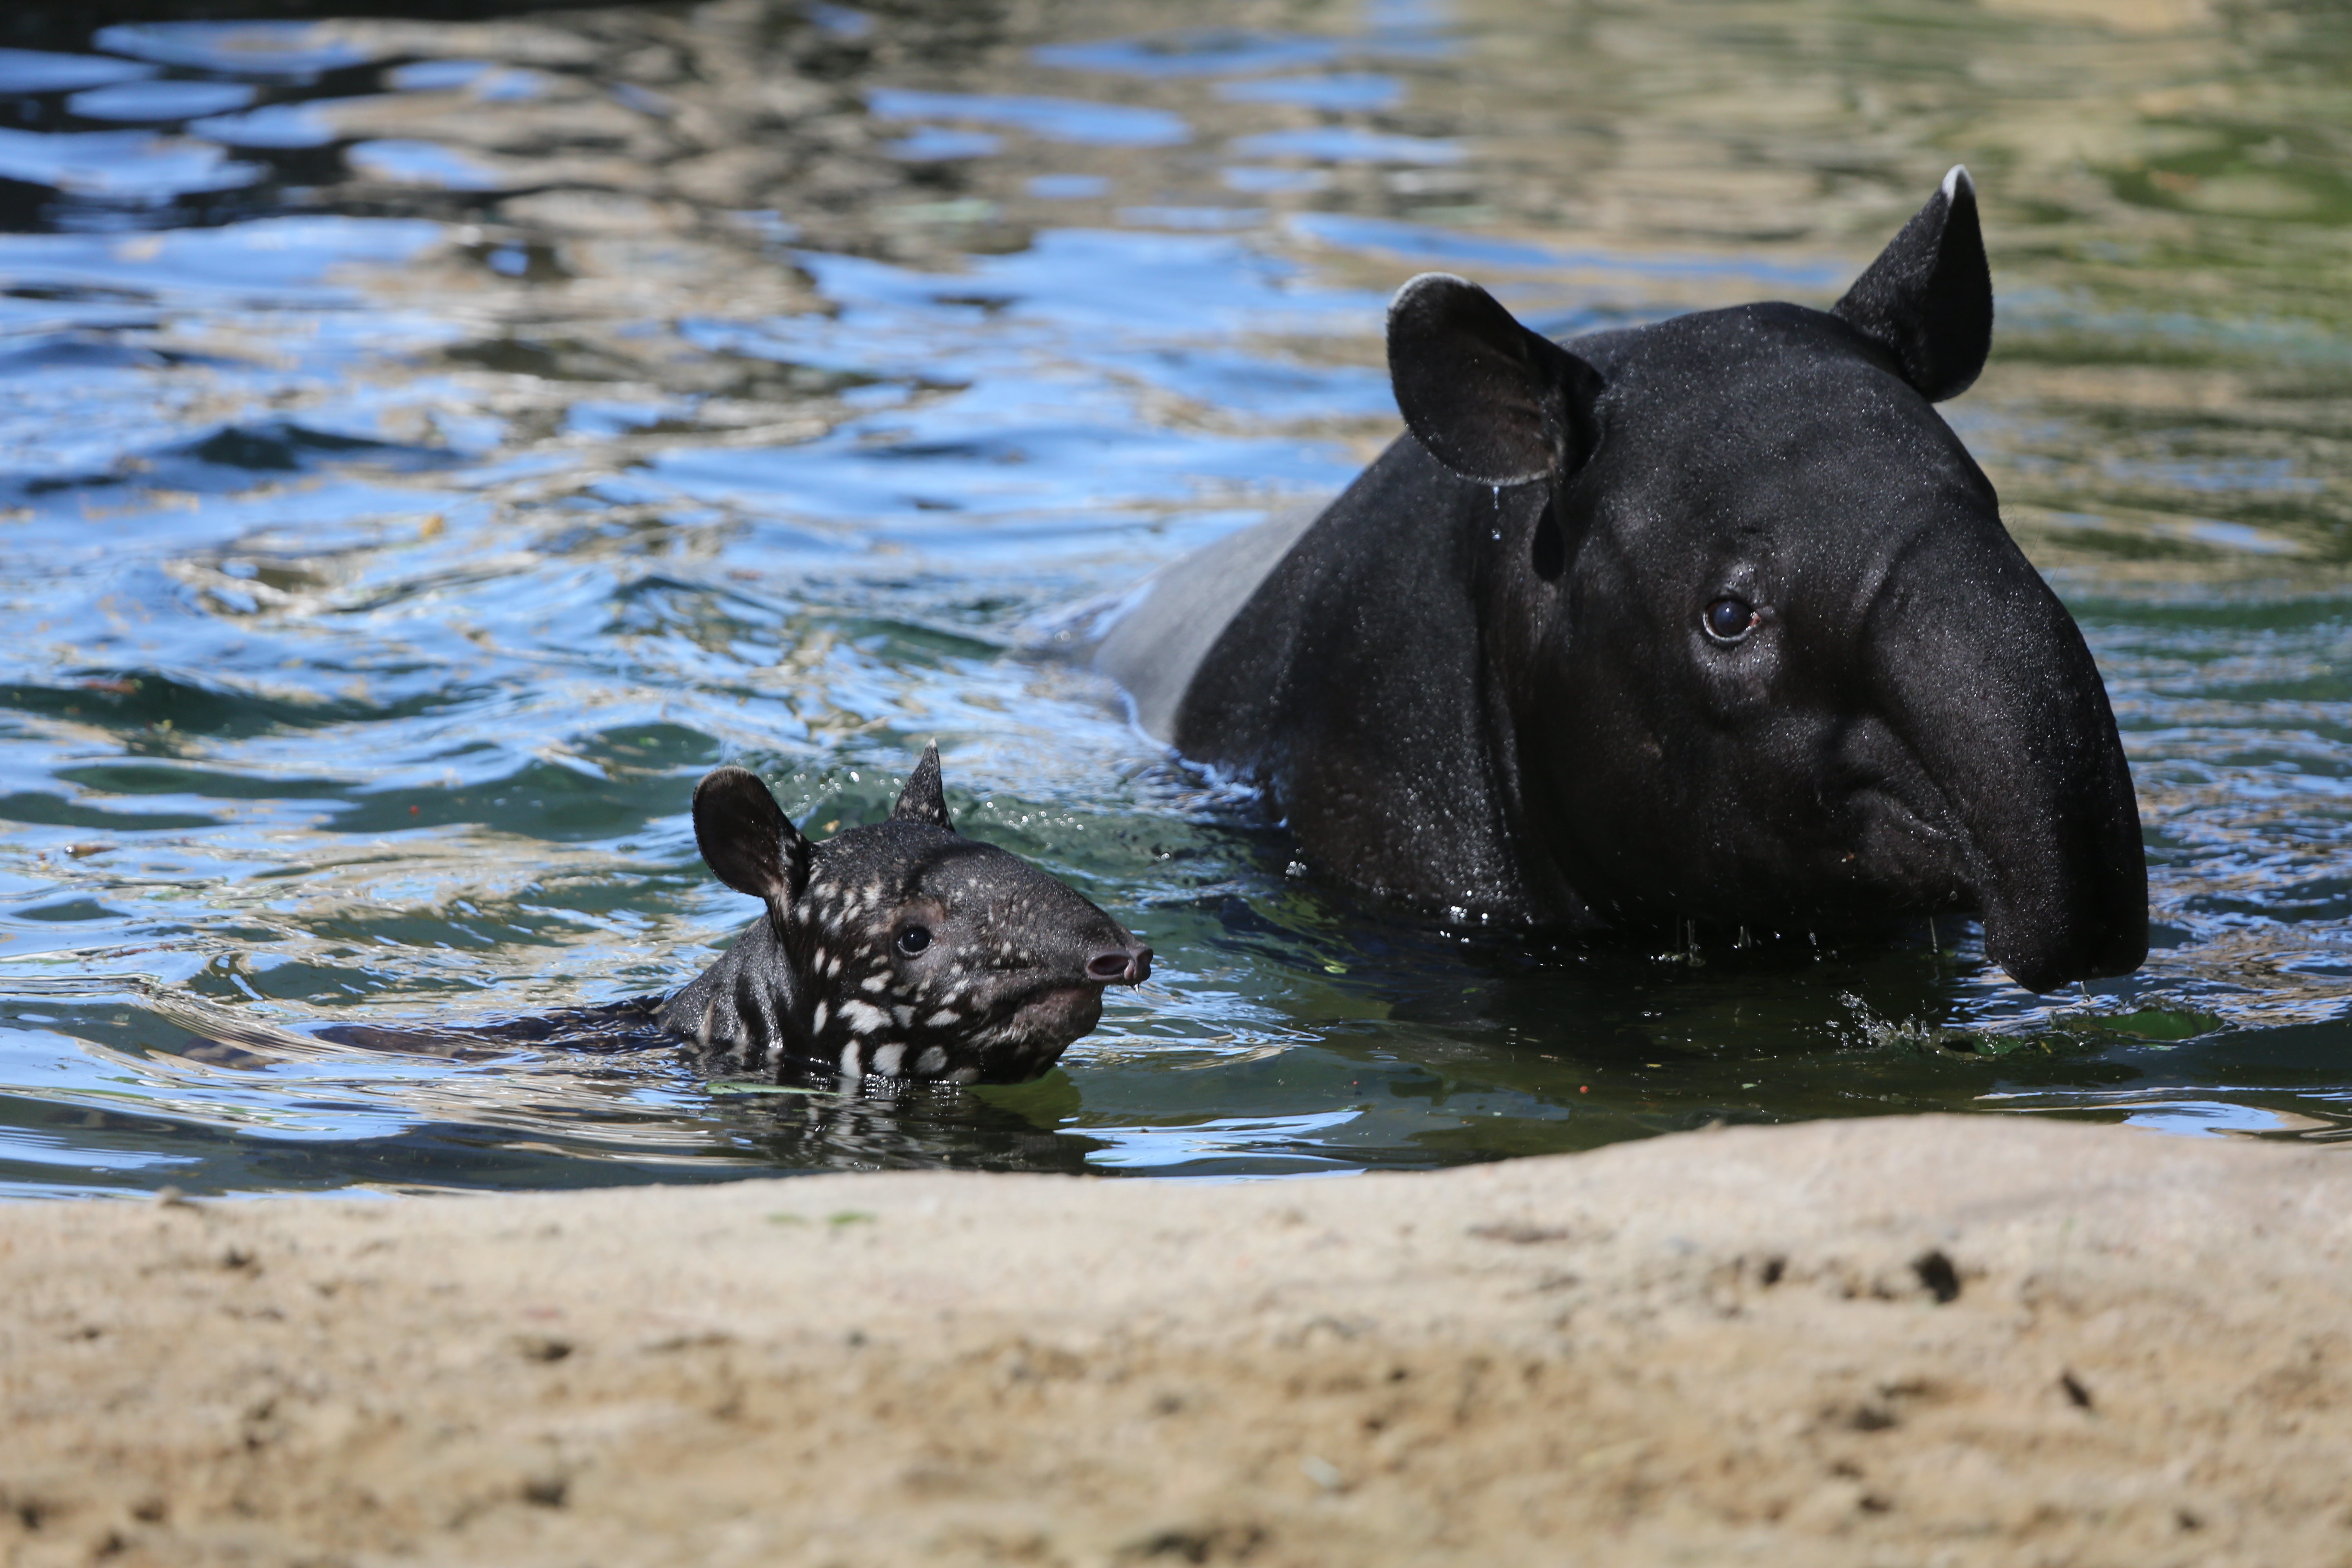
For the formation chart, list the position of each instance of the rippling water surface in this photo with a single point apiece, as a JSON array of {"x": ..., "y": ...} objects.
[{"x": 425, "y": 447}]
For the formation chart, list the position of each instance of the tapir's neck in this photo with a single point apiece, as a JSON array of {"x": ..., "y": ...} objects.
[
  {"x": 751, "y": 1009},
  {"x": 1518, "y": 609},
  {"x": 1356, "y": 684}
]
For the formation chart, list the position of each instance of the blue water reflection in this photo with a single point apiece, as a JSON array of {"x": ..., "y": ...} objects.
[
  {"x": 1337, "y": 91},
  {"x": 129, "y": 165},
  {"x": 40, "y": 70},
  {"x": 1051, "y": 119},
  {"x": 1348, "y": 144},
  {"x": 1207, "y": 51},
  {"x": 160, "y": 100},
  {"x": 295, "y": 49}
]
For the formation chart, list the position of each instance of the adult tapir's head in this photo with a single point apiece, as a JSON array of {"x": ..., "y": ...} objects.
[{"x": 1770, "y": 653}]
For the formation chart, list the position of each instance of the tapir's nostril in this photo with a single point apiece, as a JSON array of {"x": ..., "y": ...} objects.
[{"x": 1122, "y": 967}]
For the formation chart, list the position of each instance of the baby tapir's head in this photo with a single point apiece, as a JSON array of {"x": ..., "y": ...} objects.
[{"x": 902, "y": 948}]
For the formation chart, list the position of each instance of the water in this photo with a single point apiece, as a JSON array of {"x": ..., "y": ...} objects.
[{"x": 425, "y": 447}]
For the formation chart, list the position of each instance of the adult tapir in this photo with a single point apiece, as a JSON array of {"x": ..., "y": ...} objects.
[{"x": 1713, "y": 619}]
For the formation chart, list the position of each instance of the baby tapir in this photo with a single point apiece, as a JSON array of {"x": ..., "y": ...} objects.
[{"x": 899, "y": 950}]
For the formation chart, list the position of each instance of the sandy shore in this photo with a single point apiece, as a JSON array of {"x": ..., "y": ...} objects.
[{"x": 1929, "y": 1340}]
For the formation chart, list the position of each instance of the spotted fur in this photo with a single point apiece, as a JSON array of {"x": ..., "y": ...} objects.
[{"x": 899, "y": 950}]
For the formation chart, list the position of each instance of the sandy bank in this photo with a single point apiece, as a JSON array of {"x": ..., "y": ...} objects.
[{"x": 1924, "y": 1340}]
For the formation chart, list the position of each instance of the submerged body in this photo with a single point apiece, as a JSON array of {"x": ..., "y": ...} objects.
[
  {"x": 899, "y": 950},
  {"x": 1711, "y": 620}
]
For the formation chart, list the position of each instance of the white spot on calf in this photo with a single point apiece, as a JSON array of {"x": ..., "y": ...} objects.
[
  {"x": 964, "y": 1075},
  {"x": 874, "y": 981},
  {"x": 824, "y": 1011},
  {"x": 849, "y": 1067},
  {"x": 931, "y": 1061},
  {"x": 863, "y": 1017},
  {"x": 942, "y": 1018},
  {"x": 886, "y": 1060}
]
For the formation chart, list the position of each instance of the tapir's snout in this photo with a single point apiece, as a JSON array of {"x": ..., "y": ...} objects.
[
  {"x": 2084, "y": 943},
  {"x": 2065, "y": 885},
  {"x": 1128, "y": 964},
  {"x": 2006, "y": 715}
]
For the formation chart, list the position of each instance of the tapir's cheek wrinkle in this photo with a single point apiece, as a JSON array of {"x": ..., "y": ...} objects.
[
  {"x": 1550, "y": 548},
  {"x": 1729, "y": 620}
]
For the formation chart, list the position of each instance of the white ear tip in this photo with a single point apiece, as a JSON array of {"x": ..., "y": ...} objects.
[
  {"x": 1957, "y": 181},
  {"x": 1423, "y": 282}
]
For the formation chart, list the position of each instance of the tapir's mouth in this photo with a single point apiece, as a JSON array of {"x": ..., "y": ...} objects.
[{"x": 1060, "y": 1015}]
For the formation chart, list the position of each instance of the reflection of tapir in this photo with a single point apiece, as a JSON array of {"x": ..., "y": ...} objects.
[{"x": 1711, "y": 619}]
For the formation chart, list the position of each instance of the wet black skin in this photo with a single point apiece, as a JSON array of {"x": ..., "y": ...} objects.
[
  {"x": 899, "y": 950},
  {"x": 1714, "y": 619}
]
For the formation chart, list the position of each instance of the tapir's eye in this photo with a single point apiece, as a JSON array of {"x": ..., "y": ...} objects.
[
  {"x": 913, "y": 940},
  {"x": 1729, "y": 619}
]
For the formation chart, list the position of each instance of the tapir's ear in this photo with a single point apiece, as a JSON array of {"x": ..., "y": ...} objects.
[
  {"x": 923, "y": 799},
  {"x": 1492, "y": 401},
  {"x": 748, "y": 841},
  {"x": 1928, "y": 296}
]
